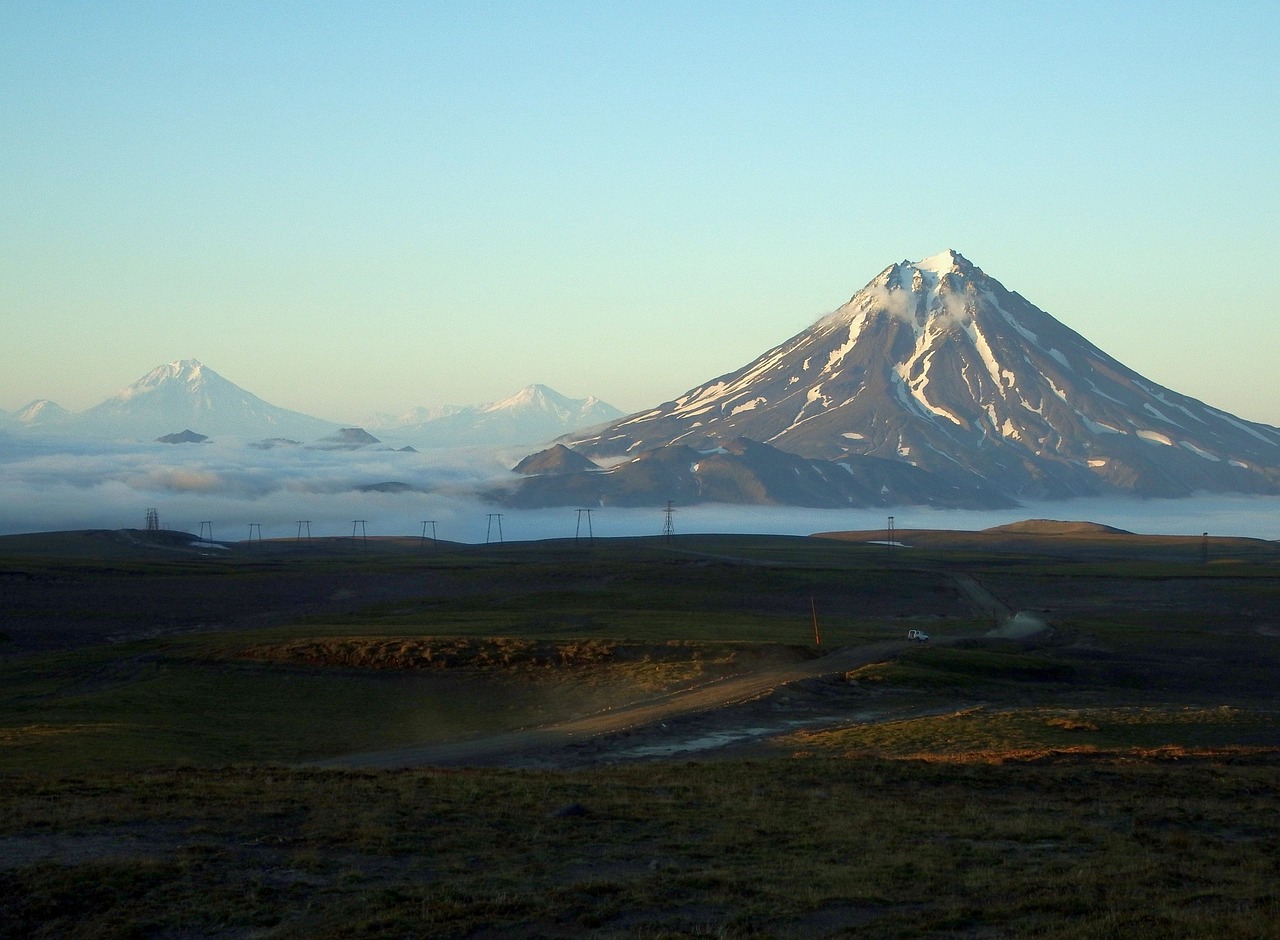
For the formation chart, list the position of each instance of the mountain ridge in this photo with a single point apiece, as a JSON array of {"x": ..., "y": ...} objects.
[
  {"x": 532, "y": 415},
  {"x": 187, "y": 394}
]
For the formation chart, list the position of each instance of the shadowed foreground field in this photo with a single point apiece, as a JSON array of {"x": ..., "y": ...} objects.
[
  {"x": 789, "y": 847},
  {"x": 1112, "y": 775}
]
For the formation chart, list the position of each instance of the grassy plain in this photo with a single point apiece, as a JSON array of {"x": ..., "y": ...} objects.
[{"x": 1114, "y": 776}]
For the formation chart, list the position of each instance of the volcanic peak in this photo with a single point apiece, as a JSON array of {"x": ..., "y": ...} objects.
[
  {"x": 946, "y": 271},
  {"x": 538, "y": 397},
  {"x": 180, "y": 370},
  {"x": 943, "y": 263},
  {"x": 937, "y": 365},
  {"x": 932, "y": 296}
]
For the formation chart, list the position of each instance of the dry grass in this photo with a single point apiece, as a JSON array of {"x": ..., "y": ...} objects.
[
  {"x": 989, "y": 734},
  {"x": 592, "y": 661}
]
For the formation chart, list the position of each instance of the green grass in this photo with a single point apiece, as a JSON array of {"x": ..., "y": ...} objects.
[
  {"x": 773, "y": 848},
  {"x": 1087, "y": 784},
  {"x": 972, "y": 670},
  {"x": 174, "y": 709},
  {"x": 274, "y": 694}
]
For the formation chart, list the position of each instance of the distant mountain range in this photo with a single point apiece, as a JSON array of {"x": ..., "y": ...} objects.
[
  {"x": 933, "y": 384},
  {"x": 532, "y": 415},
  {"x": 185, "y": 400}
]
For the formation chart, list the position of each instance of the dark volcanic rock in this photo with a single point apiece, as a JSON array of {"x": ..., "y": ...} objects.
[
  {"x": 390, "y": 486},
  {"x": 748, "y": 472},
  {"x": 187, "y": 436},
  {"x": 346, "y": 439},
  {"x": 555, "y": 459}
]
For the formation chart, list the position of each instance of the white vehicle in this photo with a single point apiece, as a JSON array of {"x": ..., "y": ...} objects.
[{"x": 917, "y": 636}]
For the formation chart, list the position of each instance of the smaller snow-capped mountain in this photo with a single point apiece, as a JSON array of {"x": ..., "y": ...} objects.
[
  {"x": 532, "y": 415},
  {"x": 559, "y": 409},
  {"x": 187, "y": 393},
  {"x": 41, "y": 413}
]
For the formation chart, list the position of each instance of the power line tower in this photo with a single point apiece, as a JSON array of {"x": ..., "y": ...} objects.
[
  {"x": 890, "y": 535},
  {"x": 304, "y": 525},
  {"x": 488, "y": 532},
  {"x": 206, "y": 526},
  {"x": 358, "y": 526},
  {"x": 255, "y": 530},
  {"x": 432, "y": 523},
  {"x": 577, "y": 532},
  {"x": 669, "y": 525},
  {"x": 1204, "y": 549},
  {"x": 153, "y": 520}
]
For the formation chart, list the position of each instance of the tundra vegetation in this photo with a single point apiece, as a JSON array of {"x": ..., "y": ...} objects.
[{"x": 174, "y": 727}]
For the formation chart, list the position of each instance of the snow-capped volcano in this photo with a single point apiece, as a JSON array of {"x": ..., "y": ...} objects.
[
  {"x": 938, "y": 365},
  {"x": 41, "y": 412},
  {"x": 559, "y": 409},
  {"x": 188, "y": 394},
  {"x": 532, "y": 415}
]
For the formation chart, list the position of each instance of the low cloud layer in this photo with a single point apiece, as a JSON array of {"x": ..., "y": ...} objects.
[
  {"x": 49, "y": 486},
  {"x": 57, "y": 485}
]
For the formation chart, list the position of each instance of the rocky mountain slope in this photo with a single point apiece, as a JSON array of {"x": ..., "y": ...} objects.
[
  {"x": 741, "y": 472},
  {"x": 936, "y": 366}
]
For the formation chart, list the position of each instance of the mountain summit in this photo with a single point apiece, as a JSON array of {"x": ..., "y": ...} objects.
[
  {"x": 40, "y": 412},
  {"x": 188, "y": 394},
  {"x": 936, "y": 364}
]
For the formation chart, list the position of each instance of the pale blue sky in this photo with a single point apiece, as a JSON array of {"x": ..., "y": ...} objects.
[{"x": 356, "y": 207}]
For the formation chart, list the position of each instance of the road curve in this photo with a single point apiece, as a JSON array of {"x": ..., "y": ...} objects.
[{"x": 532, "y": 745}]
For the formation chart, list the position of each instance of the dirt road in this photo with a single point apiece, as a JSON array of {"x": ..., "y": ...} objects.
[
  {"x": 1008, "y": 624},
  {"x": 982, "y": 599},
  {"x": 540, "y": 746}
]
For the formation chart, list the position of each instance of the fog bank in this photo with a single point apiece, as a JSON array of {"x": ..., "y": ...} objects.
[{"x": 48, "y": 485}]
